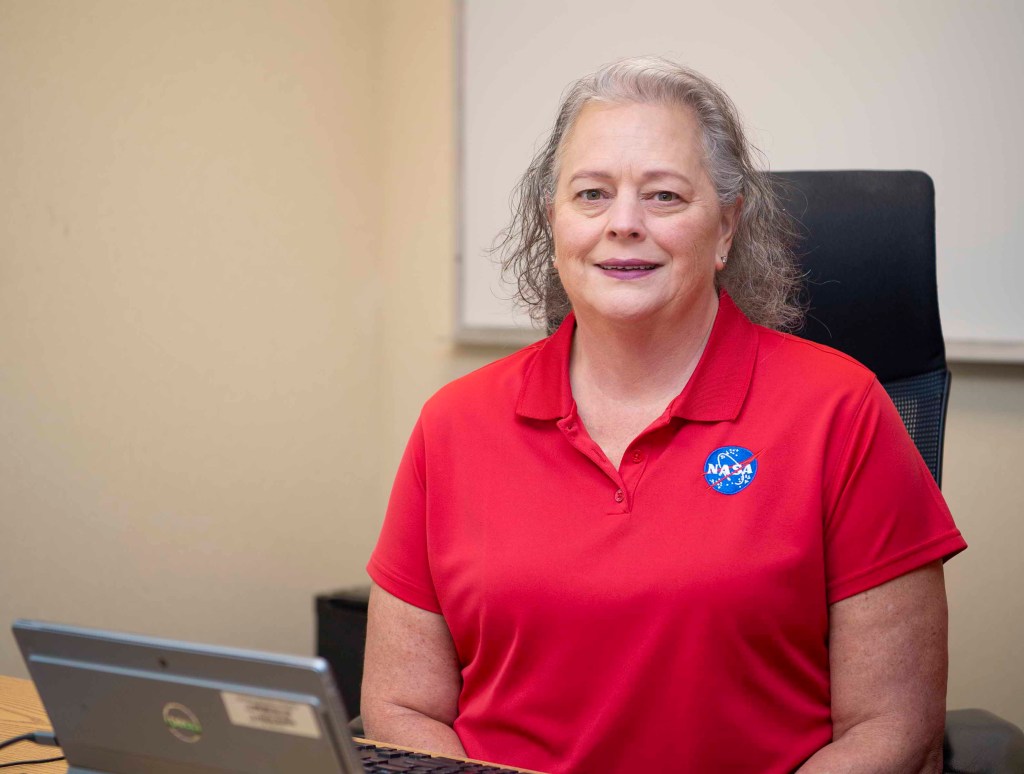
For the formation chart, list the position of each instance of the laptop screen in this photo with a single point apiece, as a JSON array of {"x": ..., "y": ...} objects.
[{"x": 127, "y": 703}]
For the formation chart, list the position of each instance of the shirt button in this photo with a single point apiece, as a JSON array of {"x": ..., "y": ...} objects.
[
  {"x": 638, "y": 457},
  {"x": 619, "y": 496}
]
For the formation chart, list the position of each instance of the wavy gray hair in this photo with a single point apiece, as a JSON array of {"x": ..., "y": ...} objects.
[{"x": 761, "y": 276}]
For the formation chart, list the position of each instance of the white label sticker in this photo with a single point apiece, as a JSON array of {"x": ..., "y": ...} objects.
[{"x": 284, "y": 717}]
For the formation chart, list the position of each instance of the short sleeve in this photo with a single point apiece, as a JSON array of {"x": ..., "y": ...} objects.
[
  {"x": 884, "y": 514},
  {"x": 400, "y": 563}
]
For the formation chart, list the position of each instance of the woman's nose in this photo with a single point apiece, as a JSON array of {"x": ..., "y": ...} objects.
[{"x": 626, "y": 219}]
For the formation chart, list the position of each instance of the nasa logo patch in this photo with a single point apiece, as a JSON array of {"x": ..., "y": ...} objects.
[{"x": 730, "y": 469}]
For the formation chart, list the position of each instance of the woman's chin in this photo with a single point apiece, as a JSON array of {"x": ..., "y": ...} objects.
[{"x": 620, "y": 312}]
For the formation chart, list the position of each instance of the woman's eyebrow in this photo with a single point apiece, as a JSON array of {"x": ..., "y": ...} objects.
[
  {"x": 593, "y": 174},
  {"x": 650, "y": 174}
]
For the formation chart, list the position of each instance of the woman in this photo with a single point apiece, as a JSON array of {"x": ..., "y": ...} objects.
[{"x": 664, "y": 538}]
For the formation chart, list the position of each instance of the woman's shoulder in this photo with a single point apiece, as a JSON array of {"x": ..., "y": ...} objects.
[
  {"x": 807, "y": 387},
  {"x": 810, "y": 363},
  {"x": 496, "y": 383}
]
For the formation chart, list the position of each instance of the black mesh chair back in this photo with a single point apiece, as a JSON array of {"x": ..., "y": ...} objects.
[{"x": 867, "y": 247}]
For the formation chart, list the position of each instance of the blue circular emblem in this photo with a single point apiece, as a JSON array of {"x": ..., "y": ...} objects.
[{"x": 730, "y": 469}]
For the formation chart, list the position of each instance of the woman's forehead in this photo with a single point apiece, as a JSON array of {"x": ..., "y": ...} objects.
[{"x": 633, "y": 133}]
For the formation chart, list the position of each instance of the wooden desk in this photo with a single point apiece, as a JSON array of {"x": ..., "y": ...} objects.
[{"x": 21, "y": 712}]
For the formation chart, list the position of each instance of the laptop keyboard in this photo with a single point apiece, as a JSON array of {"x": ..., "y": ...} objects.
[{"x": 387, "y": 760}]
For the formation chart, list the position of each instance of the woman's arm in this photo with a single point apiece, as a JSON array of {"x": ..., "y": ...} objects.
[
  {"x": 411, "y": 678},
  {"x": 888, "y": 660}
]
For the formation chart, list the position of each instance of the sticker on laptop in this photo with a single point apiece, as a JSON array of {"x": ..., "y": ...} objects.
[
  {"x": 730, "y": 469},
  {"x": 283, "y": 717}
]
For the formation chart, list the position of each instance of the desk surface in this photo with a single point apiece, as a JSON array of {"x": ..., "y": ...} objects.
[{"x": 22, "y": 712}]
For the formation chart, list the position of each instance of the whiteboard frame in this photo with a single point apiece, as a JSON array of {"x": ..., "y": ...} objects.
[
  {"x": 472, "y": 335},
  {"x": 1007, "y": 353}
]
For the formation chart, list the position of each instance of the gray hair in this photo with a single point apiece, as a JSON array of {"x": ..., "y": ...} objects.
[{"x": 761, "y": 275}]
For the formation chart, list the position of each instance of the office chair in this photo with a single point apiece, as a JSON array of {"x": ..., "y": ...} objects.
[{"x": 867, "y": 248}]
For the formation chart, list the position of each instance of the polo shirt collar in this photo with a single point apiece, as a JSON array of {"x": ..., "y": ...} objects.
[{"x": 714, "y": 393}]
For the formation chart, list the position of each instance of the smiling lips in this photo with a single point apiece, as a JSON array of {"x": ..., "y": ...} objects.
[{"x": 630, "y": 268}]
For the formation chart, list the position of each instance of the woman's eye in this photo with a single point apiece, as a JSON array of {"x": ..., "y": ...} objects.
[
  {"x": 590, "y": 195},
  {"x": 666, "y": 196}
]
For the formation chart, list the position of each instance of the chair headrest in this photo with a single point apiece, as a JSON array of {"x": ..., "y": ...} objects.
[{"x": 868, "y": 250}]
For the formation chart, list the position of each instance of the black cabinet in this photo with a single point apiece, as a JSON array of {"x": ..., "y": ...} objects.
[{"x": 341, "y": 639}]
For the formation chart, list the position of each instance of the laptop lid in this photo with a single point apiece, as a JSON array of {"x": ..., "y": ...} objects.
[{"x": 127, "y": 703}]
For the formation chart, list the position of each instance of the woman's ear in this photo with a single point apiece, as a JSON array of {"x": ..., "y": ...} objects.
[{"x": 730, "y": 222}]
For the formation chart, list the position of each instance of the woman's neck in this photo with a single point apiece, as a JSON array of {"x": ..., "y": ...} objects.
[{"x": 639, "y": 363}]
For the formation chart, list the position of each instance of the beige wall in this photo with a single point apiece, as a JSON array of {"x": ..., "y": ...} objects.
[
  {"x": 226, "y": 287},
  {"x": 985, "y": 584},
  {"x": 189, "y": 318}
]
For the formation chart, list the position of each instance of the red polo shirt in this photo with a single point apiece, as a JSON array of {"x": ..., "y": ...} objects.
[{"x": 672, "y": 614}]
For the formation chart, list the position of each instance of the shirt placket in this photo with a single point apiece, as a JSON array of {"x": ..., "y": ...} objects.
[{"x": 624, "y": 480}]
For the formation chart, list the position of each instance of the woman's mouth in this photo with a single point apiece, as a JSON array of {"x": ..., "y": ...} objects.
[{"x": 627, "y": 269}]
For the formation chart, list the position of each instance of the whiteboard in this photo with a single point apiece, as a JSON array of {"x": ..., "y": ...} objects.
[{"x": 933, "y": 85}]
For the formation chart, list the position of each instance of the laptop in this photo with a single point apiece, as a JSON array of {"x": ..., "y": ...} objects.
[{"x": 127, "y": 703}]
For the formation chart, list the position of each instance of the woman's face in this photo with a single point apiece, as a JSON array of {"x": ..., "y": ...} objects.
[{"x": 636, "y": 221}]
